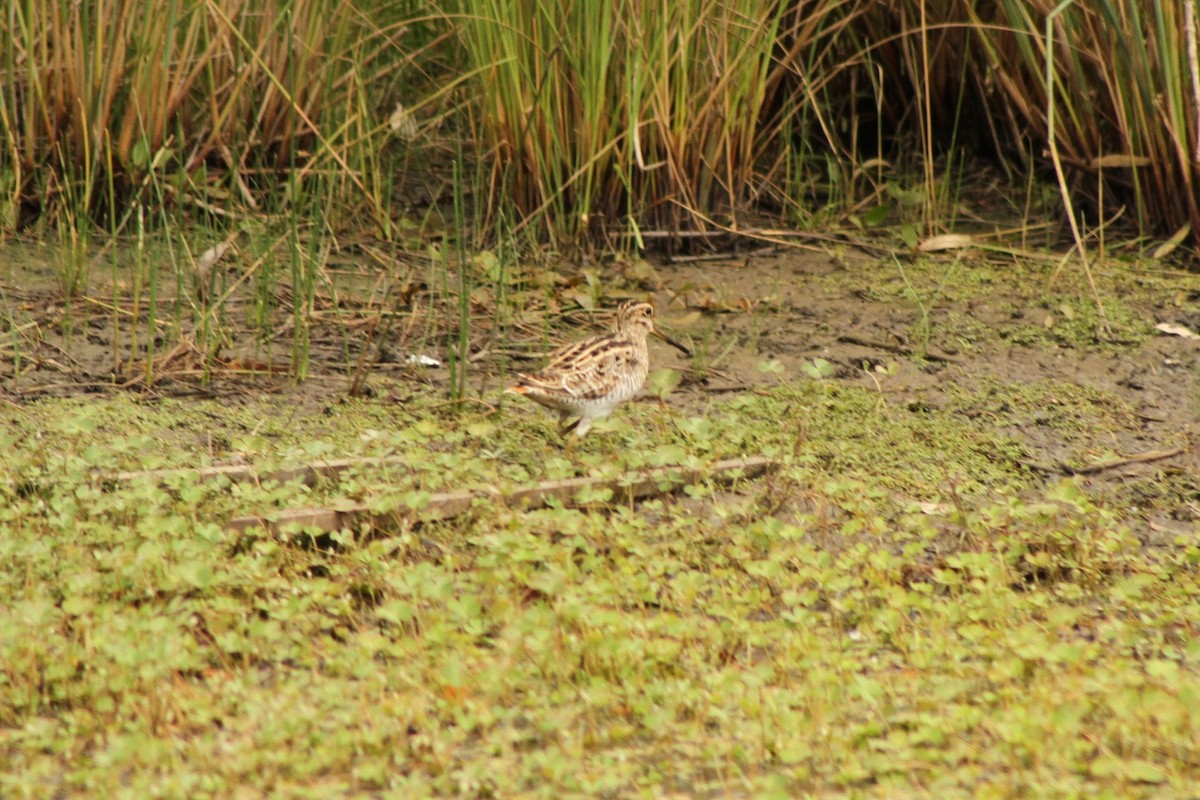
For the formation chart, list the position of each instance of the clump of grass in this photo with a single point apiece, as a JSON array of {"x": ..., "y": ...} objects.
[
  {"x": 1125, "y": 88},
  {"x": 1105, "y": 94},
  {"x": 606, "y": 118},
  {"x": 207, "y": 122},
  {"x": 97, "y": 102}
]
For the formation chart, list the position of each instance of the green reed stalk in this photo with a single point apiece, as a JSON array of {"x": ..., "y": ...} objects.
[
  {"x": 14, "y": 331},
  {"x": 458, "y": 353},
  {"x": 306, "y": 265},
  {"x": 139, "y": 266},
  {"x": 621, "y": 115},
  {"x": 152, "y": 319}
]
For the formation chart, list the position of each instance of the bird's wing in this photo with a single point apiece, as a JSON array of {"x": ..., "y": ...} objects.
[{"x": 587, "y": 370}]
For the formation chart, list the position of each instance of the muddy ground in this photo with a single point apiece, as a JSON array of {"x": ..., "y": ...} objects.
[
  {"x": 1014, "y": 346},
  {"x": 1013, "y": 342}
]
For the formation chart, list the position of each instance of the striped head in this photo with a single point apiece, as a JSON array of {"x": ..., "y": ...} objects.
[{"x": 635, "y": 318}]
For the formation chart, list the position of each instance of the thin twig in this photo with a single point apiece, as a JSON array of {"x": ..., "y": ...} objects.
[
  {"x": 725, "y": 256},
  {"x": 849, "y": 338},
  {"x": 1139, "y": 458},
  {"x": 445, "y": 505},
  {"x": 772, "y": 236},
  {"x": 1116, "y": 463},
  {"x": 307, "y": 474}
]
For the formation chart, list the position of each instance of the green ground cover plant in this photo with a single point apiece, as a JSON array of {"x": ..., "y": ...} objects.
[
  {"x": 242, "y": 236},
  {"x": 857, "y": 623}
]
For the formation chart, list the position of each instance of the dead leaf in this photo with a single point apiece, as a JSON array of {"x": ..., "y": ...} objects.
[
  {"x": 1166, "y": 248},
  {"x": 643, "y": 272},
  {"x": 872, "y": 163},
  {"x": 1117, "y": 160},
  {"x": 402, "y": 124},
  {"x": 1172, "y": 329},
  {"x": 584, "y": 299},
  {"x": 212, "y": 255},
  {"x": 686, "y": 321},
  {"x": 946, "y": 241},
  {"x": 205, "y": 263}
]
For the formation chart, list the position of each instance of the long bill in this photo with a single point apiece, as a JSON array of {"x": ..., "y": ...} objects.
[{"x": 680, "y": 347}]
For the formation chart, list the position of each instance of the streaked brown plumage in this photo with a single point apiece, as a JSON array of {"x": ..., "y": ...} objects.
[{"x": 589, "y": 378}]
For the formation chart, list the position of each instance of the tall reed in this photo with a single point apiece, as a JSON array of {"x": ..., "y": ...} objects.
[
  {"x": 1127, "y": 95},
  {"x": 603, "y": 118},
  {"x": 220, "y": 96},
  {"x": 1111, "y": 89}
]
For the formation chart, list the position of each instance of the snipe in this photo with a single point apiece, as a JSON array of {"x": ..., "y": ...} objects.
[{"x": 588, "y": 379}]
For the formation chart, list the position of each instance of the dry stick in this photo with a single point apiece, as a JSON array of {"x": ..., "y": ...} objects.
[
  {"x": 445, "y": 505},
  {"x": 1139, "y": 458},
  {"x": 1116, "y": 463},
  {"x": 849, "y": 338},
  {"x": 726, "y": 256},
  {"x": 775, "y": 237},
  {"x": 308, "y": 474}
]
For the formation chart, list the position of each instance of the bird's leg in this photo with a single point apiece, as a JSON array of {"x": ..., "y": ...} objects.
[
  {"x": 565, "y": 427},
  {"x": 573, "y": 432}
]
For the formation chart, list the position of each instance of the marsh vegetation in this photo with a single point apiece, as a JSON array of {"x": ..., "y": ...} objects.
[{"x": 932, "y": 268}]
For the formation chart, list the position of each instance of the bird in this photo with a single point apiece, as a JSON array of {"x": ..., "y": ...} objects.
[{"x": 586, "y": 380}]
